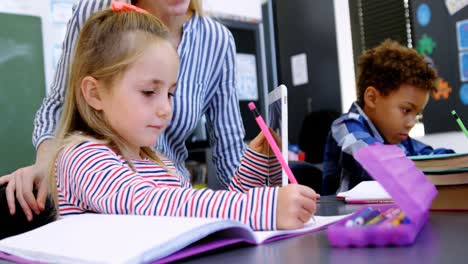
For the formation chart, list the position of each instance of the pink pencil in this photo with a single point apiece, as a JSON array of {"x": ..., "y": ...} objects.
[{"x": 272, "y": 142}]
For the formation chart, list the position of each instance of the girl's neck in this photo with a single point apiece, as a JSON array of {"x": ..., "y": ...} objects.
[{"x": 131, "y": 153}]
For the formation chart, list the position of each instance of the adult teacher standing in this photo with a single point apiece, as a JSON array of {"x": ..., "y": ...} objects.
[{"x": 206, "y": 86}]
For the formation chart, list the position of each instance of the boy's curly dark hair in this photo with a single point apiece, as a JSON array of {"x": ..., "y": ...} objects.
[{"x": 389, "y": 65}]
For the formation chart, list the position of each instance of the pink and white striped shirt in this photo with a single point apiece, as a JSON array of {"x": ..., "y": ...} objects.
[{"x": 91, "y": 177}]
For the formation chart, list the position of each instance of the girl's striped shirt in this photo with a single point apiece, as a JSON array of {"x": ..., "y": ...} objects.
[{"x": 93, "y": 178}]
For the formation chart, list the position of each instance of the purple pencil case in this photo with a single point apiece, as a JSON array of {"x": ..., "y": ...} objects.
[{"x": 410, "y": 190}]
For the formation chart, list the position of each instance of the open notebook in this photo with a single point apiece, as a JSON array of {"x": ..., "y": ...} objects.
[
  {"x": 100, "y": 238},
  {"x": 366, "y": 192}
]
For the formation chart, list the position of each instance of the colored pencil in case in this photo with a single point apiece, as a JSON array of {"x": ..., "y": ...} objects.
[
  {"x": 383, "y": 216},
  {"x": 363, "y": 217}
]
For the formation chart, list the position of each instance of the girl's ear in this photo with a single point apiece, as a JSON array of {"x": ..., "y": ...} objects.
[
  {"x": 90, "y": 91},
  {"x": 371, "y": 96}
]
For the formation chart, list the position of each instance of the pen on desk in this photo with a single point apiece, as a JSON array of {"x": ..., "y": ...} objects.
[
  {"x": 460, "y": 123},
  {"x": 272, "y": 142}
]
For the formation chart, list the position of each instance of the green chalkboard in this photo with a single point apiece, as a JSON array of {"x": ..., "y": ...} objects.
[{"x": 22, "y": 86}]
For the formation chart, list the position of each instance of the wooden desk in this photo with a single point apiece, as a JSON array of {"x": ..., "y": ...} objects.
[{"x": 440, "y": 241}]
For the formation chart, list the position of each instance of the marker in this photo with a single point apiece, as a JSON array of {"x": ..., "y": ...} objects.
[
  {"x": 272, "y": 142},
  {"x": 376, "y": 220},
  {"x": 391, "y": 215},
  {"x": 398, "y": 219},
  {"x": 383, "y": 216},
  {"x": 364, "y": 216},
  {"x": 395, "y": 220},
  {"x": 460, "y": 123}
]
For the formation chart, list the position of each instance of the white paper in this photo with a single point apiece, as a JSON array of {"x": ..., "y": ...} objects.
[
  {"x": 454, "y": 6},
  {"x": 246, "y": 66},
  {"x": 299, "y": 69},
  {"x": 61, "y": 11},
  {"x": 366, "y": 190},
  {"x": 315, "y": 223},
  {"x": 250, "y": 10}
]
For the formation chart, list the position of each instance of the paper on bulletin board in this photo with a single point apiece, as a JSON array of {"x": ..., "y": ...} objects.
[
  {"x": 247, "y": 88},
  {"x": 299, "y": 69},
  {"x": 462, "y": 35},
  {"x": 454, "y": 6},
  {"x": 463, "y": 64},
  {"x": 61, "y": 11}
]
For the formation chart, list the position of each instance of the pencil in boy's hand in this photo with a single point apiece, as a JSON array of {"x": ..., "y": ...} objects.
[{"x": 460, "y": 123}]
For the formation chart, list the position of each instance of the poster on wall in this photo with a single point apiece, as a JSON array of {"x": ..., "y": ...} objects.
[
  {"x": 247, "y": 88},
  {"x": 454, "y": 6},
  {"x": 462, "y": 35},
  {"x": 463, "y": 66},
  {"x": 299, "y": 69},
  {"x": 61, "y": 11}
]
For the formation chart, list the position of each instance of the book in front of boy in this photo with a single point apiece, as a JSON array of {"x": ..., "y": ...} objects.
[
  {"x": 449, "y": 173},
  {"x": 101, "y": 238},
  {"x": 451, "y": 198},
  {"x": 441, "y": 162}
]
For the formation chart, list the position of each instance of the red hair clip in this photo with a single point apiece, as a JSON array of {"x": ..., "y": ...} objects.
[{"x": 120, "y": 6}]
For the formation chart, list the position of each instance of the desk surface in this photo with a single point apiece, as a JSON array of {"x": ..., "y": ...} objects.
[{"x": 440, "y": 241}]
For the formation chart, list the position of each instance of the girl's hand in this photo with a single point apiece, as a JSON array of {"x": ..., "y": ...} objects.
[
  {"x": 260, "y": 144},
  {"x": 295, "y": 206}
]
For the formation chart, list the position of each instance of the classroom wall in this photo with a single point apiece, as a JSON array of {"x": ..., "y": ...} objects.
[
  {"x": 455, "y": 140},
  {"x": 54, "y": 15},
  {"x": 306, "y": 47},
  {"x": 345, "y": 53}
]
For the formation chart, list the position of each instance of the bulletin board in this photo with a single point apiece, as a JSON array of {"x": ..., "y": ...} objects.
[{"x": 440, "y": 31}]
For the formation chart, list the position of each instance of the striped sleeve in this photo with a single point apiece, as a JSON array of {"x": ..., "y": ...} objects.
[
  {"x": 47, "y": 116},
  {"x": 223, "y": 115},
  {"x": 256, "y": 170},
  {"x": 92, "y": 177}
]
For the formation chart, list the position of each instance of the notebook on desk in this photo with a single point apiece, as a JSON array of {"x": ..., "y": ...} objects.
[
  {"x": 101, "y": 238},
  {"x": 366, "y": 192}
]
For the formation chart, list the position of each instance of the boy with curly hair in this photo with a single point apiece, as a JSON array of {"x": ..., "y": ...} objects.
[{"x": 393, "y": 88}]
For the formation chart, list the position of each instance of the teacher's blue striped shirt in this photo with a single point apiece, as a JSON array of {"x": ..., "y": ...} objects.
[{"x": 206, "y": 86}]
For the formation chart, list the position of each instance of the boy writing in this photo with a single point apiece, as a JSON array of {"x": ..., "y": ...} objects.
[{"x": 394, "y": 85}]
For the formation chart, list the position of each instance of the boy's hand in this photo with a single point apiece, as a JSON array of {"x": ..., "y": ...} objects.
[
  {"x": 296, "y": 205},
  {"x": 260, "y": 144}
]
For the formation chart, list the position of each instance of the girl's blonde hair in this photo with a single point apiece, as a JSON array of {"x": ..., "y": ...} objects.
[
  {"x": 109, "y": 43},
  {"x": 196, "y": 6}
]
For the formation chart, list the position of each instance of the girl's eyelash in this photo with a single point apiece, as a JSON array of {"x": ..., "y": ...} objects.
[{"x": 148, "y": 92}]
